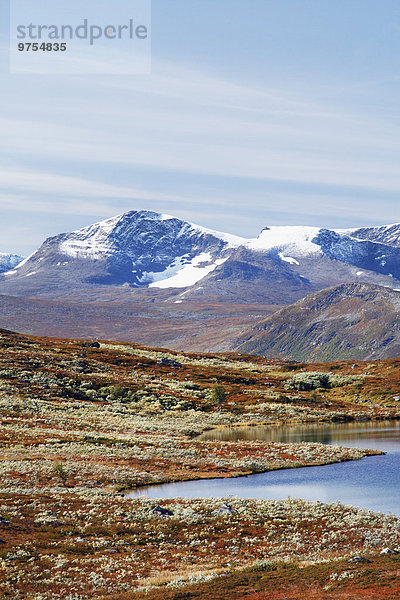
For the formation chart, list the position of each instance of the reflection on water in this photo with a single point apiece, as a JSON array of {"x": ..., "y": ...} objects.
[
  {"x": 378, "y": 433},
  {"x": 371, "y": 483}
]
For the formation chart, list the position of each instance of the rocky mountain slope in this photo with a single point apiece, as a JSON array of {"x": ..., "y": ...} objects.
[
  {"x": 284, "y": 264},
  {"x": 349, "y": 321},
  {"x": 385, "y": 234}
]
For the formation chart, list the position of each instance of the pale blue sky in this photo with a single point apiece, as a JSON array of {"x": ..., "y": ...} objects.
[{"x": 256, "y": 113}]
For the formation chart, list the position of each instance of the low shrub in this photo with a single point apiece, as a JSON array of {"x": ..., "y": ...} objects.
[{"x": 313, "y": 380}]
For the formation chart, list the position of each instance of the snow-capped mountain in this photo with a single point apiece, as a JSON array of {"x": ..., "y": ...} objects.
[
  {"x": 137, "y": 248},
  {"x": 283, "y": 264},
  {"x": 144, "y": 249},
  {"x": 9, "y": 261}
]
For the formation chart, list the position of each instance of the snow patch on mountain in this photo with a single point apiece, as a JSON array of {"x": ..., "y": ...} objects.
[
  {"x": 288, "y": 259},
  {"x": 183, "y": 272},
  {"x": 295, "y": 240},
  {"x": 21, "y": 263}
]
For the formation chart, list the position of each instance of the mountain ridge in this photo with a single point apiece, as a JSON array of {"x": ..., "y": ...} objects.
[
  {"x": 348, "y": 321},
  {"x": 143, "y": 248},
  {"x": 158, "y": 279}
]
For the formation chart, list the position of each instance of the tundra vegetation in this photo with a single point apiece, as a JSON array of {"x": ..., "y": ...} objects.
[{"x": 80, "y": 424}]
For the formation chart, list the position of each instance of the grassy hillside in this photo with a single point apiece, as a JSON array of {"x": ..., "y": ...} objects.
[{"x": 346, "y": 322}]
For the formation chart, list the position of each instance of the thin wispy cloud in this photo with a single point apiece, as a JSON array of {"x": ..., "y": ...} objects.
[
  {"x": 206, "y": 126},
  {"x": 47, "y": 183},
  {"x": 243, "y": 122}
]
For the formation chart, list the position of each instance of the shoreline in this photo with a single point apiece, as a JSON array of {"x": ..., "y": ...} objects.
[{"x": 74, "y": 429}]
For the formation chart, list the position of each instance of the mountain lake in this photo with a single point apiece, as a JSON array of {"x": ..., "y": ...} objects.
[{"x": 372, "y": 483}]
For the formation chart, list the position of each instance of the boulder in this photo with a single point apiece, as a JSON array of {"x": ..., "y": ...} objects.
[
  {"x": 161, "y": 511},
  {"x": 169, "y": 361},
  {"x": 91, "y": 345},
  {"x": 359, "y": 559},
  {"x": 226, "y": 509}
]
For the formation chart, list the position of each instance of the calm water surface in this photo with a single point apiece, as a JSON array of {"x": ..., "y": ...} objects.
[{"x": 373, "y": 482}]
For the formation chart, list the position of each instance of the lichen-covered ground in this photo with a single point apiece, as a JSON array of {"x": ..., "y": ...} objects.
[
  {"x": 68, "y": 547},
  {"x": 79, "y": 424}
]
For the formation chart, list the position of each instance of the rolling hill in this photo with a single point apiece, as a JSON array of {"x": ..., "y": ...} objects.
[{"x": 349, "y": 321}]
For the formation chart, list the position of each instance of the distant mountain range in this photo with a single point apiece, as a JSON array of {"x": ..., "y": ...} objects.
[
  {"x": 144, "y": 249},
  {"x": 178, "y": 272},
  {"x": 9, "y": 261}
]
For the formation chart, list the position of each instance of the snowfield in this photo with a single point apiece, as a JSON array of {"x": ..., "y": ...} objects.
[
  {"x": 183, "y": 274},
  {"x": 295, "y": 240}
]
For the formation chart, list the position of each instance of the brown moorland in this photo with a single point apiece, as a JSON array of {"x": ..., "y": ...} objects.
[{"x": 82, "y": 423}]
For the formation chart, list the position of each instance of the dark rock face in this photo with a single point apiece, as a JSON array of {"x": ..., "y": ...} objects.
[
  {"x": 143, "y": 243},
  {"x": 385, "y": 234},
  {"x": 365, "y": 254}
]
